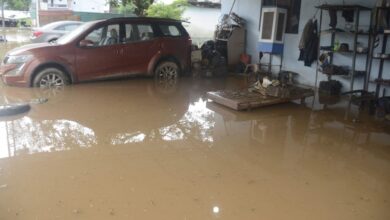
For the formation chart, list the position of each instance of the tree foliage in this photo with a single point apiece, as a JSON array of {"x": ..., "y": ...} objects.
[
  {"x": 174, "y": 10},
  {"x": 22, "y": 5},
  {"x": 137, "y": 7}
]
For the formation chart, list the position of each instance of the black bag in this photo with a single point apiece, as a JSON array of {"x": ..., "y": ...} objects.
[{"x": 331, "y": 87}]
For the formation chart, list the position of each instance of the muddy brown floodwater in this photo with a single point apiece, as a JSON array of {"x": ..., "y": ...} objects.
[
  {"x": 15, "y": 37},
  {"x": 133, "y": 150}
]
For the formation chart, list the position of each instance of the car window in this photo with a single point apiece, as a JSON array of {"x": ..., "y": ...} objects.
[
  {"x": 66, "y": 27},
  {"x": 95, "y": 36},
  {"x": 131, "y": 33},
  {"x": 72, "y": 35},
  {"x": 169, "y": 30},
  {"x": 103, "y": 36},
  {"x": 60, "y": 28},
  {"x": 145, "y": 31},
  {"x": 71, "y": 27}
]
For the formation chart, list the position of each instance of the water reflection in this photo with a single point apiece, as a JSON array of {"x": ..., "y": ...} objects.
[
  {"x": 198, "y": 123},
  {"x": 296, "y": 136},
  {"x": 171, "y": 133},
  {"x": 17, "y": 35},
  {"x": 289, "y": 154},
  {"x": 103, "y": 119},
  {"x": 128, "y": 138},
  {"x": 27, "y": 136}
]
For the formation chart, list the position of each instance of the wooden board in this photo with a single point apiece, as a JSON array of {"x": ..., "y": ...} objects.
[{"x": 242, "y": 100}]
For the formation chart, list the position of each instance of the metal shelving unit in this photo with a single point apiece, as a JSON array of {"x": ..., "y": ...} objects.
[
  {"x": 355, "y": 33},
  {"x": 376, "y": 33}
]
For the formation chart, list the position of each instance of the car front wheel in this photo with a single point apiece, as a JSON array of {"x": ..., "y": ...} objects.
[
  {"x": 50, "y": 78},
  {"x": 167, "y": 70}
]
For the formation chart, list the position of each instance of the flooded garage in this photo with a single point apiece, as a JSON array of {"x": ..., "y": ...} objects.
[{"x": 134, "y": 149}]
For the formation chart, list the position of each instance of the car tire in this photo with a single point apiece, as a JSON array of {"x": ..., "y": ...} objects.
[
  {"x": 167, "y": 70},
  {"x": 13, "y": 109},
  {"x": 50, "y": 78}
]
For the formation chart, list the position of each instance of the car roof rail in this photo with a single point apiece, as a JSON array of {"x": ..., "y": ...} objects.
[{"x": 145, "y": 18}]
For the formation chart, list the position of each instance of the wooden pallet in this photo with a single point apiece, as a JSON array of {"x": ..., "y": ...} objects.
[{"x": 243, "y": 100}]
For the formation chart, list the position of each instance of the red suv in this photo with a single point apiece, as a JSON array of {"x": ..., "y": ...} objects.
[{"x": 102, "y": 49}]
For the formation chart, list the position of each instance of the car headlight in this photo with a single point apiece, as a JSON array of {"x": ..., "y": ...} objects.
[
  {"x": 19, "y": 59},
  {"x": 18, "y": 63},
  {"x": 16, "y": 71}
]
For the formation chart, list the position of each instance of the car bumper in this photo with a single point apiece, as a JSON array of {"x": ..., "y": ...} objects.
[{"x": 18, "y": 80}]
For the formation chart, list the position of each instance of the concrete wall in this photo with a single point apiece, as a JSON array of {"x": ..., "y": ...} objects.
[{"x": 250, "y": 10}]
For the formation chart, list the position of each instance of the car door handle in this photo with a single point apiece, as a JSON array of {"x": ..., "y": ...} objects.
[{"x": 119, "y": 51}]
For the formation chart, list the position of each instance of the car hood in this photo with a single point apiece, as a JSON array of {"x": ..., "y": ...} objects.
[{"x": 28, "y": 48}]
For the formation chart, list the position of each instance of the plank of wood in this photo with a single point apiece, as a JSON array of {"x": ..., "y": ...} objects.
[{"x": 242, "y": 100}]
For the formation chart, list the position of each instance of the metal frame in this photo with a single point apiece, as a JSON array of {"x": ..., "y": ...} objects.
[
  {"x": 357, "y": 9},
  {"x": 375, "y": 34}
]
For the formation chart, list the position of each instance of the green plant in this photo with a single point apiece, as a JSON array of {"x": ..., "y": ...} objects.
[
  {"x": 126, "y": 9},
  {"x": 174, "y": 10},
  {"x": 137, "y": 7},
  {"x": 22, "y": 5}
]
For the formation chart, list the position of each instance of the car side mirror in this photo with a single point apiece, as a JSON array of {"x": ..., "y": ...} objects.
[{"x": 86, "y": 43}]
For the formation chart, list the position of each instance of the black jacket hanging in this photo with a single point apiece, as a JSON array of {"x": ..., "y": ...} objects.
[{"x": 309, "y": 51}]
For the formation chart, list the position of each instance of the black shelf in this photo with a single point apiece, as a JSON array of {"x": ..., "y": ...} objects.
[
  {"x": 340, "y": 31},
  {"x": 345, "y": 52},
  {"x": 383, "y": 8},
  {"x": 358, "y": 73},
  {"x": 343, "y": 7},
  {"x": 380, "y": 58},
  {"x": 381, "y": 83}
]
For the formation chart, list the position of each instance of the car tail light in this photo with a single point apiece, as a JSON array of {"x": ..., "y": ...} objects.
[{"x": 37, "y": 33}]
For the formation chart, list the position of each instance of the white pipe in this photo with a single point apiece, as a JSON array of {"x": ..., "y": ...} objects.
[{"x": 37, "y": 12}]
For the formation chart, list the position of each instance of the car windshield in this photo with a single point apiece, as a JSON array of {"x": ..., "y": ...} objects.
[
  {"x": 75, "y": 33},
  {"x": 48, "y": 26}
]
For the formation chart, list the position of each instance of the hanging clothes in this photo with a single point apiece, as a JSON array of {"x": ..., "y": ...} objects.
[
  {"x": 333, "y": 18},
  {"x": 305, "y": 34},
  {"x": 308, "y": 44},
  {"x": 348, "y": 15},
  {"x": 383, "y": 16}
]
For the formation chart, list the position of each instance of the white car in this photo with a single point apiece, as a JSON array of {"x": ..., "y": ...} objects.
[{"x": 51, "y": 32}]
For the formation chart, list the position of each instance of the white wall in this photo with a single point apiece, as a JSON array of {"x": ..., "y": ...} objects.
[
  {"x": 98, "y": 6},
  {"x": 250, "y": 10},
  {"x": 201, "y": 23}
]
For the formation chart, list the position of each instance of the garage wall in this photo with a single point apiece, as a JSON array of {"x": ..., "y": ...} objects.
[{"x": 250, "y": 10}]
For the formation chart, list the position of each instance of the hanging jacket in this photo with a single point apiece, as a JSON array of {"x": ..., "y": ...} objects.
[
  {"x": 309, "y": 43},
  {"x": 306, "y": 34}
]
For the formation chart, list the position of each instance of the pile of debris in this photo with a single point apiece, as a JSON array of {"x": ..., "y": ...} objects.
[
  {"x": 211, "y": 58},
  {"x": 279, "y": 88},
  {"x": 208, "y": 61},
  {"x": 227, "y": 24}
]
